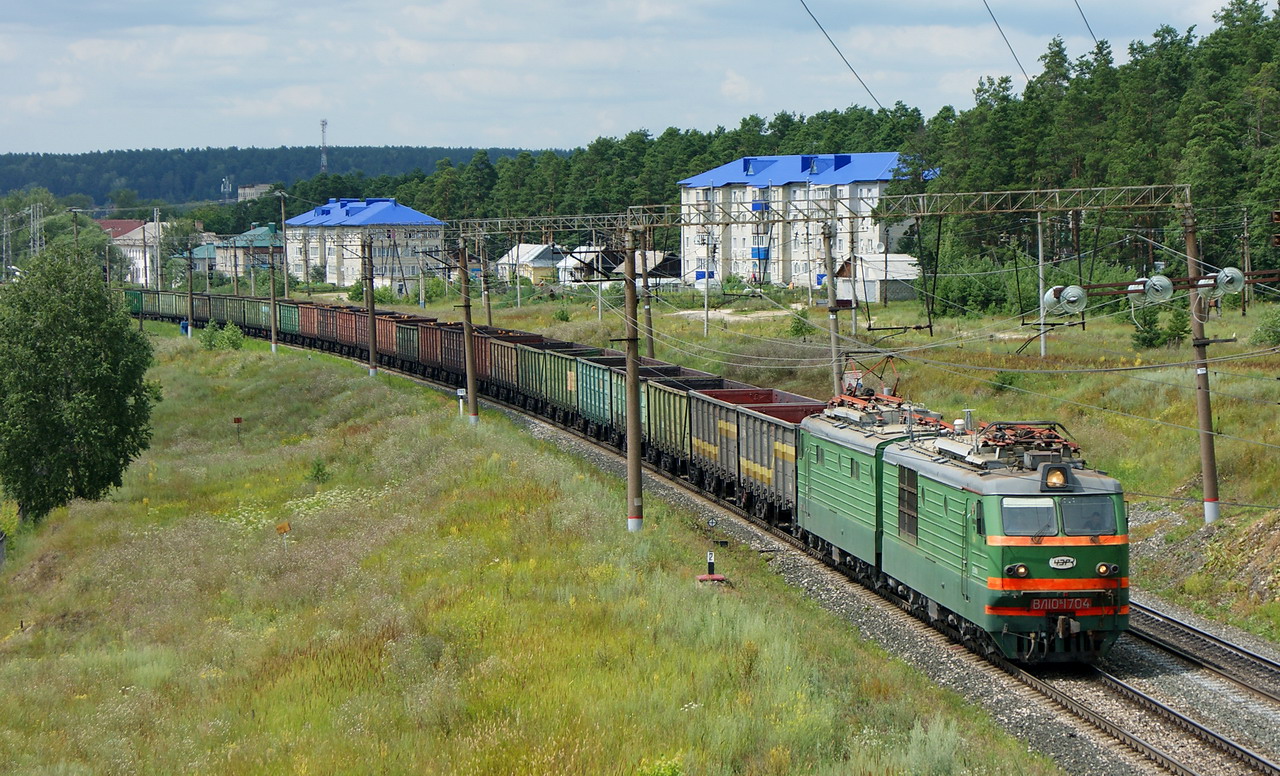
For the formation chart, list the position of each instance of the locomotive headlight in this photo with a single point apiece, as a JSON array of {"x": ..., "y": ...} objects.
[
  {"x": 1108, "y": 569},
  {"x": 1055, "y": 477},
  {"x": 1018, "y": 570}
]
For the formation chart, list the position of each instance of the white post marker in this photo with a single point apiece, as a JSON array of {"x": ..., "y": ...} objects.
[
  {"x": 462, "y": 402},
  {"x": 711, "y": 575}
]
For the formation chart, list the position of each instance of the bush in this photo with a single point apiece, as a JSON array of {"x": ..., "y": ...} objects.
[
  {"x": 381, "y": 294},
  {"x": 561, "y": 315},
  {"x": 209, "y": 336},
  {"x": 319, "y": 472},
  {"x": 1268, "y": 331},
  {"x": 1147, "y": 333},
  {"x": 800, "y": 324},
  {"x": 230, "y": 338}
]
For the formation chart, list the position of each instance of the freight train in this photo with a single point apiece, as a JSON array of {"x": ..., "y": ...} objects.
[{"x": 995, "y": 531}]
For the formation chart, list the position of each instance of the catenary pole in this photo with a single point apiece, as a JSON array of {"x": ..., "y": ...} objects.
[
  {"x": 271, "y": 278},
  {"x": 1204, "y": 412},
  {"x": 648, "y": 307},
  {"x": 468, "y": 344},
  {"x": 191, "y": 298},
  {"x": 484, "y": 281},
  {"x": 366, "y": 264},
  {"x": 833, "y": 319},
  {"x": 635, "y": 495},
  {"x": 284, "y": 247},
  {"x": 1040, "y": 274}
]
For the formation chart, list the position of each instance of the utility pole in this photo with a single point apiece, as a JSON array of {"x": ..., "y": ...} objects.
[
  {"x": 191, "y": 299},
  {"x": 648, "y": 312},
  {"x": 468, "y": 346},
  {"x": 422, "y": 280},
  {"x": 155, "y": 217},
  {"x": 706, "y": 290},
  {"x": 833, "y": 319},
  {"x": 146, "y": 260},
  {"x": 271, "y": 278},
  {"x": 366, "y": 265},
  {"x": 1040, "y": 274},
  {"x": 1204, "y": 412},
  {"x": 1246, "y": 296},
  {"x": 635, "y": 494},
  {"x": 484, "y": 281},
  {"x": 235, "y": 266},
  {"x": 284, "y": 247}
]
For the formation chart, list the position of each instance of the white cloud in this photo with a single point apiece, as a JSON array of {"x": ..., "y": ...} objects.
[{"x": 535, "y": 73}]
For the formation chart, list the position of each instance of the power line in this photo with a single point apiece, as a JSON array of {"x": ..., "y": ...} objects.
[
  {"x": 1086, "y": 22},
  {"x": 842, "y": 56},
  {"x": 1006, "y": 41}
]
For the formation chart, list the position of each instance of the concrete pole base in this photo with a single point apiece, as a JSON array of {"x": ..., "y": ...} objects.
[
  {"x": 473, "y": 420},
  {"x": 373, "y": 372},
  {"x": 273, "y": 347},
  {"x": 634, "y": 524},
  {"x": 1210, "y": 512}
]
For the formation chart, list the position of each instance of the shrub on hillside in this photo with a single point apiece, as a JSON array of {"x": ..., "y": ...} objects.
[
  {"x": 229, "y": 338},
  {"x": 1268, "y": 331}
]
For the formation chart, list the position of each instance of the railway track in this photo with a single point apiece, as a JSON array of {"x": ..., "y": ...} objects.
[
  {"x": 1214, "y": 753},
  {"x": 1243, "y": 667}
]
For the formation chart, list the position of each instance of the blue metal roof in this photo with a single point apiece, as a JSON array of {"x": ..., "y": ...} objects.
[
  {"x": 375, "y": 211},
  {"x": 818, "y": 169}
]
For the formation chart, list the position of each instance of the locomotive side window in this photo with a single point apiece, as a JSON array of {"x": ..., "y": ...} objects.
[
  {"x": 854, "y": 469},
  {"x": 979, "y": 523},
  {"x": 817, "y": 454},
  {"x": 1028, "y": 517},
  {"x": 908, "y": 504},
  {"x": 1088, "y": 516}
]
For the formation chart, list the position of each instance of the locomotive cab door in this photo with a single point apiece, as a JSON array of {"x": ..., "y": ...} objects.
[{"x": 973, "y": 533}]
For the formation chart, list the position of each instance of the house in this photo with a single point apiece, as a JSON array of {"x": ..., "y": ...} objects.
[
  {"x": 538, "y": 263},
  {"x": 257, "y": 247},
  {"x": 590, "y": 263},
  {"x": 887, "y": 278},
  {"x": 139, "y": 243},
  {"x": 403, "y": 242},
  {"x": 253, "y": 191},
  {"x": 750, "y": 217}
]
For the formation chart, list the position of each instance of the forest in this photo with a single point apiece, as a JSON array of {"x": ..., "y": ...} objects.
[
  {"x": 196, "y": 174},
  {"x": 1184, "y": 107}
]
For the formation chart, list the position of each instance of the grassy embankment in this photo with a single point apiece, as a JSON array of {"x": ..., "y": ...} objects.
[
  {"x": 1230, "y": 571},
  {"x": 448, "y": 600}
]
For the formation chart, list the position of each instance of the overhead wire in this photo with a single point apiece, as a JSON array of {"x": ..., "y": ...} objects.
[
  {"x": 841, "y": 53},
  {"x": 1006, "y": 41}
]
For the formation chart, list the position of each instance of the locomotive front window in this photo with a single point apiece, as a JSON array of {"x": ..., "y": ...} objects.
[
  {"x": 1088, "y": 515},
  {"x": 1028, "y": 517}
]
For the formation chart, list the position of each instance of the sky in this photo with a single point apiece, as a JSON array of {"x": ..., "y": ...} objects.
[{"x": 90, "y": 75}]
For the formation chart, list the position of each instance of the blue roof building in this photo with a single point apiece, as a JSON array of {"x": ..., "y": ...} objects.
[
  {"x": 405, "y": 243},
  {"x": 754, "y": 217}
]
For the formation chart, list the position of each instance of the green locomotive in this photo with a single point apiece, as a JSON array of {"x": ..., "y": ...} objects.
[{"x": 1001, "y": 532}]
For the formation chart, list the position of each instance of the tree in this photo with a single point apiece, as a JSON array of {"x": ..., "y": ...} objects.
[{"x": 75, "y": 405}]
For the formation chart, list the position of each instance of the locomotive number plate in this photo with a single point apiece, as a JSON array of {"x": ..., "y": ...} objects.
[{"x": 1060, "y": 604}]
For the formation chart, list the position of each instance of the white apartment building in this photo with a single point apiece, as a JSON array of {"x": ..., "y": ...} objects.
[
  {"x": 749, "y": 217},
  {"x": 404, "y": 242}
]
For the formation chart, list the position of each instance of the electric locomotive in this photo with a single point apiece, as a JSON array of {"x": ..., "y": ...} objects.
[{"x": 1001, "y": 532}]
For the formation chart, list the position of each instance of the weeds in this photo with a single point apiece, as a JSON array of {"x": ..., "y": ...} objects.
[{"x": 450, "y": 602}]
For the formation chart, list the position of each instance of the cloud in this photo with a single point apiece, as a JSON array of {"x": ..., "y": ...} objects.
[{"x": 537, "y": 73}]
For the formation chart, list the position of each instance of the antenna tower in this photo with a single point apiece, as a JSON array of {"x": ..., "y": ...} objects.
[{"x": 324, "y": 145}]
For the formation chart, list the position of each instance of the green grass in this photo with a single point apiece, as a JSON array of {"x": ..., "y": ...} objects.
[
  {"x": 449, "y": 600},
  {"x": 1138, "y": 426}
]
